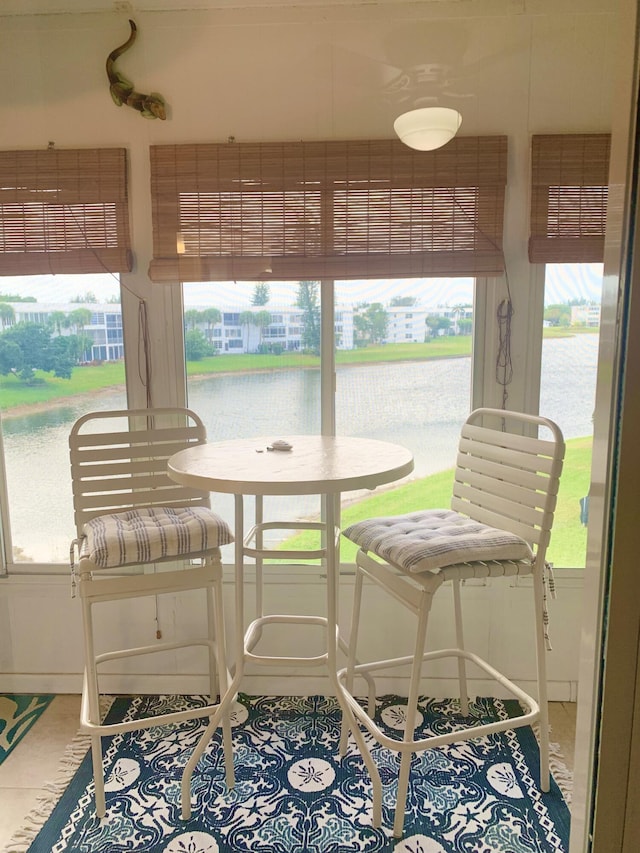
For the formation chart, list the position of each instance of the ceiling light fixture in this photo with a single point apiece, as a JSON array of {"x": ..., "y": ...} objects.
[{"x": 427, "y": 128}]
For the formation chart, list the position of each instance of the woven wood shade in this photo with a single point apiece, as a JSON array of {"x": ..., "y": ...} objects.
[
  {"x": 64, "y": 212},
  {"x": 314, "y": 210},
  {"x": 569, "y": 188}
]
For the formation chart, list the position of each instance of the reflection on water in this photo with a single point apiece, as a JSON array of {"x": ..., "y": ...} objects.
[
  {"x": 418, "y": 404},
  {"x": 40, "y": 421}
]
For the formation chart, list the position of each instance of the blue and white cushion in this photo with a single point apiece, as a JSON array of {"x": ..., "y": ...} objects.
[
  {"x": 432, "y": 539},
  {"x": 157, "y": 533}
]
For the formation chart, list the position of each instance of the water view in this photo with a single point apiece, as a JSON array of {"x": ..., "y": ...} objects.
[{"x": 418, "y": 404}]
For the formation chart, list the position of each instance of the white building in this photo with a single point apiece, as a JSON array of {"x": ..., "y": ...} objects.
[
  {"x": 104, "y": 328},
  {"x": 407, "y": 324},
  {"x": 585, "y": 315}
]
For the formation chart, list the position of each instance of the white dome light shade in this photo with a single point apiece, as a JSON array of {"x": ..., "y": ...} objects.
[{"x": 428, "y": 127}]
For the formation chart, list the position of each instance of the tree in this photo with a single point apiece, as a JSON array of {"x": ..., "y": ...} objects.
[
  {"x": 7, "y": 314},
  {"x": 378, "y": 322},
  {"x": 245, "y": 318},
  {"x": 210, "y": 316},
  {"x": 57, "y": 320},
  {"x": 435, "y": 323},
  {"x": 262, "y": 319},
  {"x": 39, "y": 351},
  {"x": 558, "y": 315},
  {"x": 371, "y": 323},
  {"x": 191, "y": 318},
  {"x": 61, "y": 359},
  {"x": 78, "y": 347},
  {"x": 78, "y": 319},
  {"x": 10, "y": 357},
  {"x": 261, "y": 294},
  {"x": 307, "y": 301},
  {"x": 403, "y": 301},
  {"x": 196, "y": 346},
  {"x": 89, "y": 297}
]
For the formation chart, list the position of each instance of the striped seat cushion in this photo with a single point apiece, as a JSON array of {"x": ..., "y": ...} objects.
[
  {"x": 145, "y": 535},
  {"x": 432, "y": 539}
]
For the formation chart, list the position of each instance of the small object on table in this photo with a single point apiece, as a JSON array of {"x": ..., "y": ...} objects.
[{"x": 280, "y": 444}]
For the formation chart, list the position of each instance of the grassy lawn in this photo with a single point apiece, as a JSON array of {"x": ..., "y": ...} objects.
[
  {"x": 84, "y": 380},
  {"x": 568, "y": 539}
]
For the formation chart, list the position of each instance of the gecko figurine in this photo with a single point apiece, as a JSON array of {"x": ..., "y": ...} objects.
[{"x": 123, "y": 91}]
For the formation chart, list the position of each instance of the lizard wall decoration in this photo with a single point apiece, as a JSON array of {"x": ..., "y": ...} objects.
[{"x": 123, "y": 91}]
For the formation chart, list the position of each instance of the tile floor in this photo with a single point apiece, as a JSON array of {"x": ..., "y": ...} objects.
[{"x": 21, "y": 779}]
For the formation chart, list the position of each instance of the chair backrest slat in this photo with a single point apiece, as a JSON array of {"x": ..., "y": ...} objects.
[
  {"x": 509, "y": 478},
  {"x": 119, "y": 460},
  {"x": 492, "y": 469}
]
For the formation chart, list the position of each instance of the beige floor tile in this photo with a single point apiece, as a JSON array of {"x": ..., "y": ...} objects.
[
  {"x": 16, "y": 803},
  {"x": 21, "y": 777},
  {"x": 562, "y": 716},
  {"x": 47, "y": 739}
]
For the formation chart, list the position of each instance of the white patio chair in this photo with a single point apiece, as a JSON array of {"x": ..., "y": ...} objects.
[
  {"x": 128, "y": 513},
  {"x": 499, "y": 524}
]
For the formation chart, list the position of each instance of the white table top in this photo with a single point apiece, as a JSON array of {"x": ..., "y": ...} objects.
[{"x": 315, "y": 465}]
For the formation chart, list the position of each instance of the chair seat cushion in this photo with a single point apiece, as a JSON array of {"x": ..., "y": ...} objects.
[
  {"x": 146, "y": 535},
  {"x": 432, "y": 539}
]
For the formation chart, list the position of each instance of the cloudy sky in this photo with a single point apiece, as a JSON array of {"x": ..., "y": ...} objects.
[{"x": 563, "y": 283}]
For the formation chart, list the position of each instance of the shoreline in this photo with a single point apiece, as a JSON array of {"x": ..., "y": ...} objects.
[{"x": 25, "y": 409}]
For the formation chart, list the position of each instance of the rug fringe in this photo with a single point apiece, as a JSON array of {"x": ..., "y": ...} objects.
[
  {"x": 71, "y": 759},
  {"x": 562, "y": 776},
  {"x": 561, "y": 773}
]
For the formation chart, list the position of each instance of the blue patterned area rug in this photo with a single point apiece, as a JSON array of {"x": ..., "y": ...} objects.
[
  {"x": 293, "y": 793},
  {"x": 18, "y": 712}
]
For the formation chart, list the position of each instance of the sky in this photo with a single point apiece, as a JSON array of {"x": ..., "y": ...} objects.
[{"x": 564, "y": 282}]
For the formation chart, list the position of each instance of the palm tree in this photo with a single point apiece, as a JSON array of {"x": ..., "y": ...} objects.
[
  {"x": 7, "y": 314},
  {"x": 211, "y": 316},
  {"x": 57, "y": 319},
  {"x": 192, "y": 318},
  {"x": 262, "y": 319},
  {"x": 246, "y": 319},
  {"x": 78, "y": 319}
]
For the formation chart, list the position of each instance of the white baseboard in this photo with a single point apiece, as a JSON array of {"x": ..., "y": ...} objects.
[{"x": 264, "y": 685}]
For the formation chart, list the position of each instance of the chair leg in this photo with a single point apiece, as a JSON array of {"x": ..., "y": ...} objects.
[
  {"x": 541, "y": 661},
  {"x": 98, "y": 776},
  {"x": 351, "y": 655},
  {"x": 212, "y": 625},
  {"x": 462, "y": 670},
  {"x": 412, "y": 710},
  {"x": 223, "y": 680},
  {"x": 90, "y": 686}
]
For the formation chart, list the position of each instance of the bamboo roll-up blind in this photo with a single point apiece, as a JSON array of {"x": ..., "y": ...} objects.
[
  {"x": 64, "y": 211},
  {"x": 313, "y": 210},
  {"x": 569, "y": 188}
]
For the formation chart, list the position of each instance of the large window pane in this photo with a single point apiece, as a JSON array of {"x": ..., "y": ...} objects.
[
  {"x": 403, "y": 367},
  {"x": 253, "y": 368},
  {"x": 567, "y": 394},
  {"x": 61, "y": 355},
  {"x": 407, "y": 380}
]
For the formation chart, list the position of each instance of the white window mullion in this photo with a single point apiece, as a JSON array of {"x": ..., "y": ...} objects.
[{"x": 328, "y": 359}]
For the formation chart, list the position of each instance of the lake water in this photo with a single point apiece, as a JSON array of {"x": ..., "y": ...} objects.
[{"x": 418, "y": 404}]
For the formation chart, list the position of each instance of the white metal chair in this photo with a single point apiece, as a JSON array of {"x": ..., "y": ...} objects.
[
  {"x": 504, "y": 496},
  {"x": 128, "y": 513}
]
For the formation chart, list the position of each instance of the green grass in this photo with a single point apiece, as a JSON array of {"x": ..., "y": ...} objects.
[
  {"x": 568, "y": 540},
  {"x": 84, "y": 380}
]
